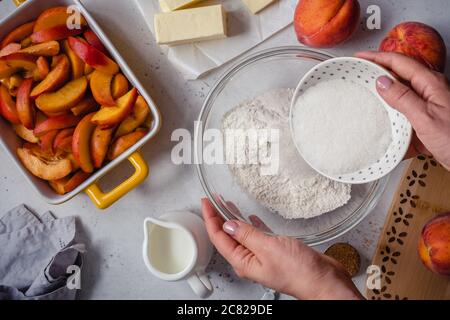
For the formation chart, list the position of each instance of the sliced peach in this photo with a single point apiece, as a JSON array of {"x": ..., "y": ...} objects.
[
  {"x": 123, "y": 143},
  {"x": 99, "y": 145},
  {"x": 52, "y": 17},
  {"x": 101, "y": 88},
  {"x": 57, "y": 59},
  {"x": 6, "y": 70},
  {"x": 65, "y": 145},
  {"x": 43, "y": 168},
  {"x": 25, "y": 43},
  {"x": 8, "y": 107},
  {"x": 85, "y": 106},
  {"x": 93, "y": 57},
  {"x": 78, "y": 65},
  {"x": 25, "y": 134},
  {"x": 48, "y": 49},
  {"x": 10, "y": 49},
  {"x": 55, "y": 79},
  {"x": 63, "y": 99},
  {"x": 61, "y": 137},
  {"x": 68, "y": 184},
  {"x": 42, "y": 67},
  {"x": 81, "y": 143},
  {"x": 88, "y": 69},
  {"x": 59, "y": 32},
  {"x": 21, "y": 60},
  {"x": 46, "y": 141},
  {"x": 56, "y": 123},
  {"x": 25, "y": 105},
  {"x": 94, "y": 40},
  {"x": 136, "y": 119},
  {"x": 119, "y": 86},
  {"x": 108, "y": 117},
  {"x": 18, "y": 34}
]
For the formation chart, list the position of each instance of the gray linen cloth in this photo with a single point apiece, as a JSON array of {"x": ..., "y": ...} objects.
[{"x": 35, "y": 253}]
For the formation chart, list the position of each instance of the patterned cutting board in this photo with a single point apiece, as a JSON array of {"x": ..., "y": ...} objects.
[{"x": 423, "y": 193}]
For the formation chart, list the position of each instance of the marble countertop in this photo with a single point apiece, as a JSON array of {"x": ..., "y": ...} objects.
[{"x": 113, "y": 265}]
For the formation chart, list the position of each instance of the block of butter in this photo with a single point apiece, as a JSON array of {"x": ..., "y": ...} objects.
[
  {"x": 172, "y": 5},
  {"x": 256, "y": 6},
  {"x": 191, "y": 25}
]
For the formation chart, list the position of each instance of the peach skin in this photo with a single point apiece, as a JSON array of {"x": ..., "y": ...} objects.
[
  {"x": 70, "y": 183},
  {"x": 44, "y": 168},
  {"x": 85, "y": 106},
  {"x": 119, "y": 86},
  {"x": 46, "y": 142},
  {"x": 109, "y": 117},
  {"x": 99, "y": 145},
  {"x": 101, "y": 88},
  {"x": 65, "y": 98},
  {"x": 52, "y": 17},
  {"x": 25, "y": 105},
  {"x": 136, "y": 119},
  {"x": 418, "y": 41},
  {"x": 8, "y": 107},
  {"x": 62, "y": 137},
  {"x": 18, "y": 34},
  {"x": 326, "y": 23},
  {"x": 54, "y": 80},
  {"x": 93, "y": 40},
  {"x": 434, "y": 245},
  {"x": 56, "y": 123},
  {"x": 123, "y": 143},
  {"x": 93, "y": 57},
  {"x": 55, "y": 33},
  {"x": 81, "y": 143},
  {"x": 10, "y": 49}
]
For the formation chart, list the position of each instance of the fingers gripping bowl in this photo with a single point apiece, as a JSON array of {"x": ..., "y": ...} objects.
[
  {"x": 69, "y": 77},
  {"x": 271, "y": 69}
]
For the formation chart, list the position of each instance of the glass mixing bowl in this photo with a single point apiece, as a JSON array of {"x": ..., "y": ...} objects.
[{"x": 281, "y": 67}]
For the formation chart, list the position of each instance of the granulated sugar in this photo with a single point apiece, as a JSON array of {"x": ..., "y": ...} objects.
[
  {"x": 296, "y": 191},
  {"x": 341, "y": 127}
]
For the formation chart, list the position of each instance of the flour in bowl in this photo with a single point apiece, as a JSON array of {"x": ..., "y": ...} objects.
[
  {"x": 297, "y": 191},
  {"x": 341, "y": 127}
]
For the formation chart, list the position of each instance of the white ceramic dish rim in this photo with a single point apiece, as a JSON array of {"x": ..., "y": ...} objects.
[
  {"x": 125, "y": 69},
  {"x": 310, "y": 239},
  {"x": 385, "y": 105}
]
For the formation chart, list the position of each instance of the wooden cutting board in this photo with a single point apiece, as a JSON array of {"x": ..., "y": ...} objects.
[{"x": 423, "y": 193}]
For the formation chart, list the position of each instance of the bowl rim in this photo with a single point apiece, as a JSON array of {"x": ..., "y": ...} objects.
[
  {"x": 337, "y": 230},
  {"x": 386, "y": 106}
]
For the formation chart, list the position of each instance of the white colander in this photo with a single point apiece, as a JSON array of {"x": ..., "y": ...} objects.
[{"x": 365, "y": 73}]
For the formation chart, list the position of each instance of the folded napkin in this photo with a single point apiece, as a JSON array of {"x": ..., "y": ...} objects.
[{"x": 36, "y": 253}]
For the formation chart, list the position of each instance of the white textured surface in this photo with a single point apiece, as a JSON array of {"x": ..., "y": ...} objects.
[{"x": 114, "y": 268}]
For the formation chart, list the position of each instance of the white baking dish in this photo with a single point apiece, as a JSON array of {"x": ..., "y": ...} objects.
[{"x": 28, "y": 11}]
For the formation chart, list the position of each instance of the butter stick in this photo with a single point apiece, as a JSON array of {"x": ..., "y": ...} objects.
[
  {"x": 172, "y": 5},
  {"x": 256, "y": 6},
  {"x": 190, "y": 25}
]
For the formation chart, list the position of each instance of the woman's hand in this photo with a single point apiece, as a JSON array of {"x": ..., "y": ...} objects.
[
  {"x": 424, "y": 98},
  {"x": 283, "y": 264}
]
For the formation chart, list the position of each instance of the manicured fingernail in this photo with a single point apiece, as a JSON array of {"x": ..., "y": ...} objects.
[
  {"x": 230, "y": 227},
  {"x": 384, "y": 82}
]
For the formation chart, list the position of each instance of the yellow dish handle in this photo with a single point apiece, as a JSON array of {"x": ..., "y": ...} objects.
[{"x": 104, "y": 200}]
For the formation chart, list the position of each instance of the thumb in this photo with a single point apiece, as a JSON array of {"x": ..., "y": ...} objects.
[
  {"x": 246, "y": 235},
  {"x": 403, "y": 99}
]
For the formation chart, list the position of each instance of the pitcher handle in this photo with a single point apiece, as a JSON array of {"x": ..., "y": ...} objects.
[{"x": 201, "y": 285}]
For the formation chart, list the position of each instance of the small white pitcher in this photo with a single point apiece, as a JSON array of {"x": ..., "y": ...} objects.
[{"x": 176, "y": 247}]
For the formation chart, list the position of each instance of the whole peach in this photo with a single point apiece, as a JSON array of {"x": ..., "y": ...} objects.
[
  {"x": 418, "y": 41},
  {"x": 326, "y": 23},
  {"x": 434, "y": 244}
]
